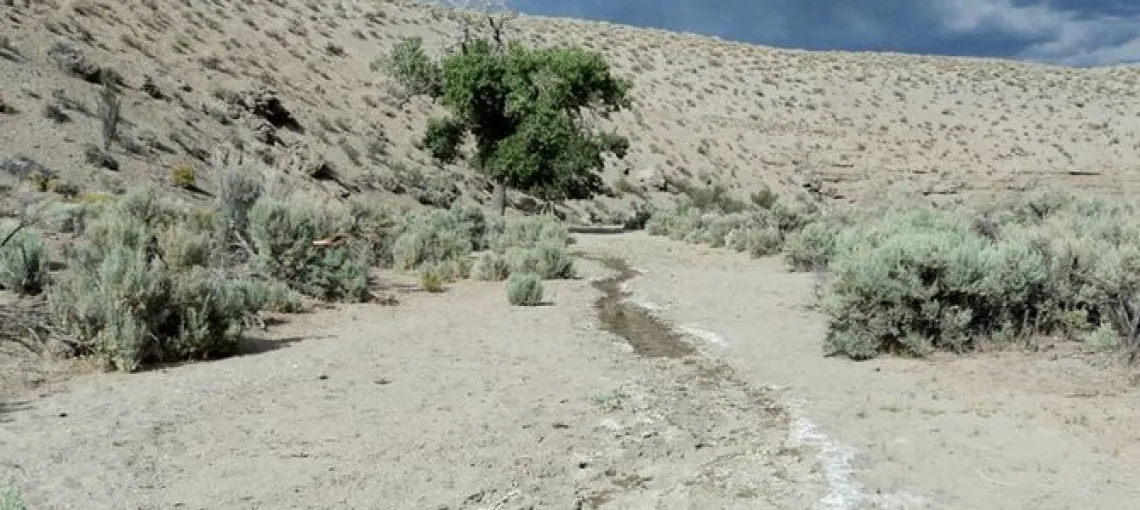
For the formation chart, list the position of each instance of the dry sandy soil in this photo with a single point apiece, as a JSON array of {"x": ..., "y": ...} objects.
[
  {"x": 462, "y": 401},
  {"x": 846, "y": 126}
]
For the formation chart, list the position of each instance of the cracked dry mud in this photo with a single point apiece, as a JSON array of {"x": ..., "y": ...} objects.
[{"x": 461, "y": 401}]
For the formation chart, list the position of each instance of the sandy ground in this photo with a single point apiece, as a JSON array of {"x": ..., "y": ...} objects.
[
  {"x": 844, "y": 126},
  {"x": 452, "y": 401},
  {"x": 461, "y": 401},
  {"x": 996, "y": 430}
]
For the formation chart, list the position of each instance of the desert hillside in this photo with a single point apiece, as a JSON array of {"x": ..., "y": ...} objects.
[
  {"x": 201, "y": 76},
  {"x": 345, "y": 355}
]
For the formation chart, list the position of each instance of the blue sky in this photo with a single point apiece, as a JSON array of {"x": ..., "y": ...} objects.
[{"x": 1070, "y": 32}]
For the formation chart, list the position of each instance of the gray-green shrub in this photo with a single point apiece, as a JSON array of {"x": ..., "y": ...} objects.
[
  {"x": 431, "y": 236},
  {"x": 912, "y": 278},
  {"x": 283, "y": 236},
  {"x": 72, "y": 217},
  {"x": 757, "y": 240},
  {"x": 184, "y": 245},
  {"x": 813, "y": 247},
  {"x": 10, "y": 497},
  {"x": 23, "y": 260},
  {"x": 476, "y": 220},
  {"x": 793, "y": 215},
  {"x": 432, "y": 277},
  {"x": 904, "y": 293},
  {"x": 239, "y": 188},
  {"x": 524, "y": 289},
  {"x": 549, "y": 260},
  {"x": 715, "y": 198},
  {"x": 760, "y": 231},
  {"x": 374, "y": 225},
  {"x": 124, "y": 303},
  {"x": 491, "y": 266},
  {"x": 917, "y": 278},
  {"x": 269, "y": 295},
  {"x": 718, "y": 229},
  {"x": 527, "y": 232},
  {"x": 677, "y": 224}
]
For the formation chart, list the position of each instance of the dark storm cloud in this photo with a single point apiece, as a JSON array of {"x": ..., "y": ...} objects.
[{"x": 1074, "y": 32}]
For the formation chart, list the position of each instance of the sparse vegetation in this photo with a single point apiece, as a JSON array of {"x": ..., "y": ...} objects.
[
  {"x": 913, "y": 278},
  {"x": 347, "y": 190},
  {"x": 239, "y": 187},
  {"x": 142, "y": 285},
  {"x": 550, "y": 261},
  {"x": 137, "y": 288},
  {"x": 524, "y": 289},
  {"x": 1061, "y": 265},
  {"x": 757, "y": 230},
  {"x": 23, "y": 260},
  {"x": 184, "y": 176},
  {"x": 491, "y": 266},
  {"x": 284, "y": 236},
  {"x": 109, "y": 112},
  {"x": 431, "y": 278},
  {"x": 11, "y": 498},
  {"x": 430, "y": 237},
  {"x": 526, "y": 232}
]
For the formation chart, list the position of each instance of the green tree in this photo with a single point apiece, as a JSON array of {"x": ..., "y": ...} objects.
[{"x": 524, "y": 109}]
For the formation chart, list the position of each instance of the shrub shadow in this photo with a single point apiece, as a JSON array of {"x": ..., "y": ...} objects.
[
  {"x": 600, "y": 229},
  {"x": 540, "y": 304},
  {"x": 253, "y": 346},
  {"x": 194, "y": 189},
  {"x": 248, "y": 346},
  {"x": 11, "y": 55},
  {"x": 406, "y": 288}
]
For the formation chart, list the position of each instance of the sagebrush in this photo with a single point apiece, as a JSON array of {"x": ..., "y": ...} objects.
[
  {"x": 23, "y": 260},
  {"x": 11, "y": 498},
  {"x": 912, "y": 278},
  {"x": 137, "y": 289},
  {"x": 524, "y": 289},
  {"x": 285, "y": 237}
]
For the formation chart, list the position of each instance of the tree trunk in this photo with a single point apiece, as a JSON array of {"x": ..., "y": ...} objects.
[{"x": 499, "y": 199}]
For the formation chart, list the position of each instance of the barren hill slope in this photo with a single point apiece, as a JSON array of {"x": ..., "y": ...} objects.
[{"x": 203, "y": 75}]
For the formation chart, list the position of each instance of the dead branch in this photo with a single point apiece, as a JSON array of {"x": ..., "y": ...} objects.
[
  {"x": 496, "y": 13},
  {"x": 27, "y": 218},
  {"x": 245, "y": 245},
  {"x": 333, "y": 240},
  {"x": 19, "y": 226},
  {"x": 26, "y": 321}
]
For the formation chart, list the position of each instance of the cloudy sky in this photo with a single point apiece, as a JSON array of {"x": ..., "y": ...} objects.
[{"x": 1072, "y": 32}]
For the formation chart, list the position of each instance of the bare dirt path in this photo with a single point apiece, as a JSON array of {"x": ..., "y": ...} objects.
[
  {"x": 445, "y": 401},
  {"x": 997, "y": 430},
  {"x": 461, "y": 401}
]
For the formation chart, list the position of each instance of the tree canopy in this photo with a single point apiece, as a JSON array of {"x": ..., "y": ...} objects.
[{"x": 523, "y": 107}]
